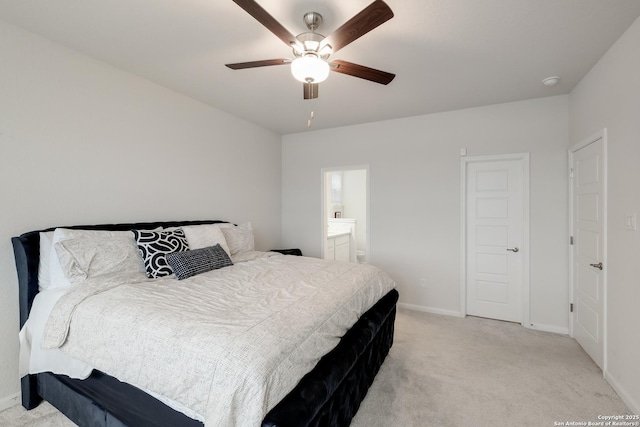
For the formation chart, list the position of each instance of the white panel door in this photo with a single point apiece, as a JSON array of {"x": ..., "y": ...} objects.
[
  {"x": 495, "y": 206},
  {"x": 588, "y": 249}
]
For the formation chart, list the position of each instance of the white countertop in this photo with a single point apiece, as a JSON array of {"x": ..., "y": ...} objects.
[{"x": 338, "y": 234}]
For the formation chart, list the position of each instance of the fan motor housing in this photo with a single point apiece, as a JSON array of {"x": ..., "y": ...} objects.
[
  {"x": 312, "y": 20},
  {"x": 310, "y": 43}
]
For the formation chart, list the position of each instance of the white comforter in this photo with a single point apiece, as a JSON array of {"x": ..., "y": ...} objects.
[{"x": 228, "y": 344}]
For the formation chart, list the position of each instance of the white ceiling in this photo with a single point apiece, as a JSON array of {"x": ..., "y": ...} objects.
[{"x": 446, "y": 54}]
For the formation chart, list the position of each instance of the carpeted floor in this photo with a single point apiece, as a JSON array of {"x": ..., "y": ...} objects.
[{"x": 447, "y": 371}]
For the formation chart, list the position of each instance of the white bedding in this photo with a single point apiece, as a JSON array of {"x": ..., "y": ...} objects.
[
  {"x": 34, "y": 359},
  {"x": 228, "y": 344}
]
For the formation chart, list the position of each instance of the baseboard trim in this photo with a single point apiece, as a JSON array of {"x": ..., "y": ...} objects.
[
  {"x": 548, "y": 328},
  {"x": 432, "y": 310},
  {"x": 9, "y": 401},
  {"x": 633, "y": 405},
  {"x": 429, "y": 309}
]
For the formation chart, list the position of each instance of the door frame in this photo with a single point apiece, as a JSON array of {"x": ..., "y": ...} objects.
[
  {"x": 524, "y": 161},
  {"x": 600, "y": 135},
  {"x": 323, "y": 217}
]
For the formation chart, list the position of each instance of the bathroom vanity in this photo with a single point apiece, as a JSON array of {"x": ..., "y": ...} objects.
[{"x": 341, "y": 240}]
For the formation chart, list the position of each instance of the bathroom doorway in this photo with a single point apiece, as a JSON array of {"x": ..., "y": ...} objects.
[{"x": 345, "y": 214}]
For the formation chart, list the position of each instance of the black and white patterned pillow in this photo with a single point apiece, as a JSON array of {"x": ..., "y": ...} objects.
[
  {"x": 189, "y": 263},
  {"x": 154, "y": 247}
]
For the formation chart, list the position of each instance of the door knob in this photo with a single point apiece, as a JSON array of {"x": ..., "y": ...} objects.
[
  {"x": 513, "y": 249},
  {"x": 598, "y": 265}
]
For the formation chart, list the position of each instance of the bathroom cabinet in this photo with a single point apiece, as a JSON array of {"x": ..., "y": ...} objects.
[
  {"x": 339, "y": 247},
  {"x": 341, "y": 239}
]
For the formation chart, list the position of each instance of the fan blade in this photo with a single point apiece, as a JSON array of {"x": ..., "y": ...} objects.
[
  {"x": 310, "y": 90},
  {"x": 375, "y": 14},
  {"x": 361, "y": 71},
  {"x": 263, "y": 17},
  {"x": 254, "y": 64}
]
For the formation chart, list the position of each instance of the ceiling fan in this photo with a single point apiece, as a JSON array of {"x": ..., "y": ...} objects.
[{"x": 312, "y": 50}]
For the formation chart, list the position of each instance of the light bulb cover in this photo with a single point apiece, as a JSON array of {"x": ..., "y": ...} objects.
[
  {"x": 310, "y": 69},
  {"x": 551, "y": 81}
]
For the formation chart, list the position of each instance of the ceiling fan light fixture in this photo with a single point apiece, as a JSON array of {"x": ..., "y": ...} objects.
[
  {"x": 310, "y": 69},
  {"x": 324, "y": 51},
  {"x": 311, "y": 50},
  {"x": 311, "y": 43},
  {"x": 298, "y": 49}
]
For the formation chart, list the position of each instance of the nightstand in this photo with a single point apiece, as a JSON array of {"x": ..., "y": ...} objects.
[{"x": 296, "y": 252}]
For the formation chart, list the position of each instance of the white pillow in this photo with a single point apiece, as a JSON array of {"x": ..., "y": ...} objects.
[
  {"x": 86, "y": 257},
  {"x": 240, "y": 239},
  {"x": 46, "y": 245},
  {"x": 57, "y": 275},
  {"x": 205, "y": 235}
]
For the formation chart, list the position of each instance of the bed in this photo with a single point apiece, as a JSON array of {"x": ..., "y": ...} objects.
[{"x": 327, "y": 394}]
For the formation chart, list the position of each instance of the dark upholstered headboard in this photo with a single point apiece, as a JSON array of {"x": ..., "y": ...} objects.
[{"x": 26, "y": 248}]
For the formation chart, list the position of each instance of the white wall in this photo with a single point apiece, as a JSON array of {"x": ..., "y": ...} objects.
[
  {"x": 415, "y": 195},
  {"x": 609, "y": 97},
  {"x": 82, "y": 142}
]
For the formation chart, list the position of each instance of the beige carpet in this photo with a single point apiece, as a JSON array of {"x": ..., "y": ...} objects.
[{"x": 446, "y": 371}]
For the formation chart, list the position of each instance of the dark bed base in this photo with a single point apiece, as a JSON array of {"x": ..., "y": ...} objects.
[{"x": 329, "y": 395}]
